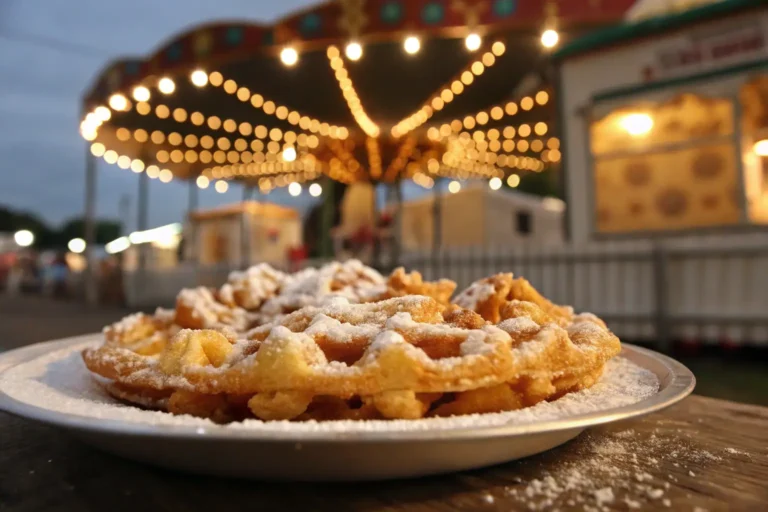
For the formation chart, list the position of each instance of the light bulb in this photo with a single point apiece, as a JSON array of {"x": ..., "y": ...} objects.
[
  {"x": 221, "y": 186},
  {"x": 289, "y": 56},
  {"x": 637, "y": 124},
  {"x": 353, "y": 51},
  {"x": 513, "y": 180},
  {"x": 103, "y": 113},
  {"x": 495, "y": 183},
  {"x": 294, "y": 189},
  {"x": 549, "y": 38},
  {"x": 315, "y": 190},
  {"x": 199, "y": 78},
  {"x": 473, "y": 42},
  {"x": 412, "y": 45},
  {"x": 118, "y": 102},
  {"x": 76, "y": 245},
  {"x": 202, "y": 182},
  {"x": 761, "y": 147},
  {"x": 289, "y": 154},
  {"x": 454, "y": 187},
  {"x": 166, "y": 85},
  {"x": 141, "y": 93},
  {"x": 24, "y": 238}
]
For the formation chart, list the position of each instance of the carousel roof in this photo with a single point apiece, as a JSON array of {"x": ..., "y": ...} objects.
[{"x": 373, "y": 90}]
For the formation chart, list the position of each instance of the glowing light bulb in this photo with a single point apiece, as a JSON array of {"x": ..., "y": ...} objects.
[
  {"x": 315, "y": 190},
  {"x": 294, "y": 189},
  {"x": 513, "y": 180},
  {"x": 473, "y": 42},
  {"x": 289, "y": 154},
  {"x": 221, "y": 186},
  {"x": 353, "y": 51},
  {"x": 202, "y": 182},
  {"x": 761, "y": 147},
  {"x": 549, "y": 38},
  {"x": 289, "y": 56},
  {"x": 103, "y": 113},
  {"x": 412, "y": 45},
  {"x": 118, "y": 102},
  {"x": 637, "y": 124},
  {"x": 97, "y": 149},
  {"x": 199, "y": 78},
  {"x": 454, "y": 187},
  {"x": 137, "y": 166},
  {"x": 76, "y": 245},
  {"x": 495, "y": 183},
  {"x": 166, "y": 85},
  {"x": 24, "y": 238},
  {"x": 141, "y": 93}
]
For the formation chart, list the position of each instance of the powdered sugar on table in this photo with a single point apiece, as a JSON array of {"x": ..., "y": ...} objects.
[{"x": 58, "y": 381}]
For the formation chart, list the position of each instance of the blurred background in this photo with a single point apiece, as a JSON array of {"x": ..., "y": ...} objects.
[{"x": 611, "y": 152}]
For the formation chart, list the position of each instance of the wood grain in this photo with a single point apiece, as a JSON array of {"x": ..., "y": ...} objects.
[{"x": 704, "y": 453}]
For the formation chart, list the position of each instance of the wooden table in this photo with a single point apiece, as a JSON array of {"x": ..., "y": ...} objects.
[{"x": 702, "y": 454}]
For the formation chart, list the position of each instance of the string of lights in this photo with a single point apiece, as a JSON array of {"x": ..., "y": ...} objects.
[
  {"x": 374, "y": 157},
  {"x": 449, "y": 92},
  {"x": 350, "y": 95},
  {"x": 461, "y": 148},
  {"x": 403, "y": 154},
  {"x": 282, "y": 112},
  {"x": 349, "y": 162},
  {"x": 494, "y": 113}
]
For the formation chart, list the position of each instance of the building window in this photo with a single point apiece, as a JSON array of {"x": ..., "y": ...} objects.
[
  {"x": 754, "y": 105},
  {"x": 666, "y": 165},
  {"x": 523, "y": 222}
]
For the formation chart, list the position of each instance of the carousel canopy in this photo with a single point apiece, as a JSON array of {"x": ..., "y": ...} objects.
[{"x": 356, "y": 90}]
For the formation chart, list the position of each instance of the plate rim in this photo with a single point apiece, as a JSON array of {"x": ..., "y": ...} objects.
[{"x": 681, "y": 383}]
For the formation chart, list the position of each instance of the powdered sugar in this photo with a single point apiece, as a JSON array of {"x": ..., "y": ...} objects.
[
  {"x": 309, "y": 287},
  {"x": 127, "y": 324},
  {"x": 475, "y": 294},
  {"x": 58, "y": 381},
  {"x": 210, "y": 312},
  {"x": 624, "y": 460},
  {"x": 604, "y": 495}
]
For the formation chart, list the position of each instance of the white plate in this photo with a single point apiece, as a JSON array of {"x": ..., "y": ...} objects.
[{"x": 305, "y": 451}]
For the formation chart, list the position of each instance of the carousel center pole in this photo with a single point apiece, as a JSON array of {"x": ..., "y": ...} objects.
[
  {"x": 398, "y": 224},
  {"x": 376, "y": 256},
  {"x": 142, "y": 224},
  {"x": 245, "y": 228},
  {"x": 191, "y": 207},
  {"x": 192, "y": 251},
  {"x": 437, "y": 227},
  {"x": 91, "y": 290},
  {"x": 326, "y": 220},
  {"x": 256, "y": 227}
]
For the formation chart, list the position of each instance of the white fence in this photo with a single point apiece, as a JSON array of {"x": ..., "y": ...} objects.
[
  {"x": 689, "y": 290},
  {"x": 698, "y": 289}
]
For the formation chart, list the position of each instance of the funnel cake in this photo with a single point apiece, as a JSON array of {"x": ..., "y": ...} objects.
[
  {"x": 488, "y": 296},
  {"x": 405, "y": 357}
]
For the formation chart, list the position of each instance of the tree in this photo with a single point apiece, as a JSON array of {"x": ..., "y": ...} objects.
[
  {"x": 106, "y": 230},
  {"x": 48, "y": 238},
  {"x": 313, "y": 233},
  {"x": 12, "y": 221},
  {"x": 539, "y": 183}
]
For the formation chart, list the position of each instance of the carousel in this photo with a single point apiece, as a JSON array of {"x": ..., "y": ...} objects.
[{"x": 350, "y": 92}]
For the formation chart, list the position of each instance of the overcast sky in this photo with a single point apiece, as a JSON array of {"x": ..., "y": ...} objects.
[{"x": 50, "y": 51}]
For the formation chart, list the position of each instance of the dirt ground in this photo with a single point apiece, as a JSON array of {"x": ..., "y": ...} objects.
[{"x": 26, "y": 319}]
